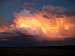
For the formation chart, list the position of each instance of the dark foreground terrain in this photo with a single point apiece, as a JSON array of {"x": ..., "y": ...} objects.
[{"x": 15, "y": 43}]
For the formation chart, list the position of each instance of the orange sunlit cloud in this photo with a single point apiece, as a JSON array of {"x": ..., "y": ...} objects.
[
  {"x": 47, "y": 28},
  {"x": 51, "y": 28},
  {"x": 3, "y": 28}
]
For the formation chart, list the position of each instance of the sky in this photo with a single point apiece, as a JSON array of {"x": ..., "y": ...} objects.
[{"x": 8, "y": 7}]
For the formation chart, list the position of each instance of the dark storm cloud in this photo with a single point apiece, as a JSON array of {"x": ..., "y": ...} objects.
[{"x": 70, "y": 13}]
